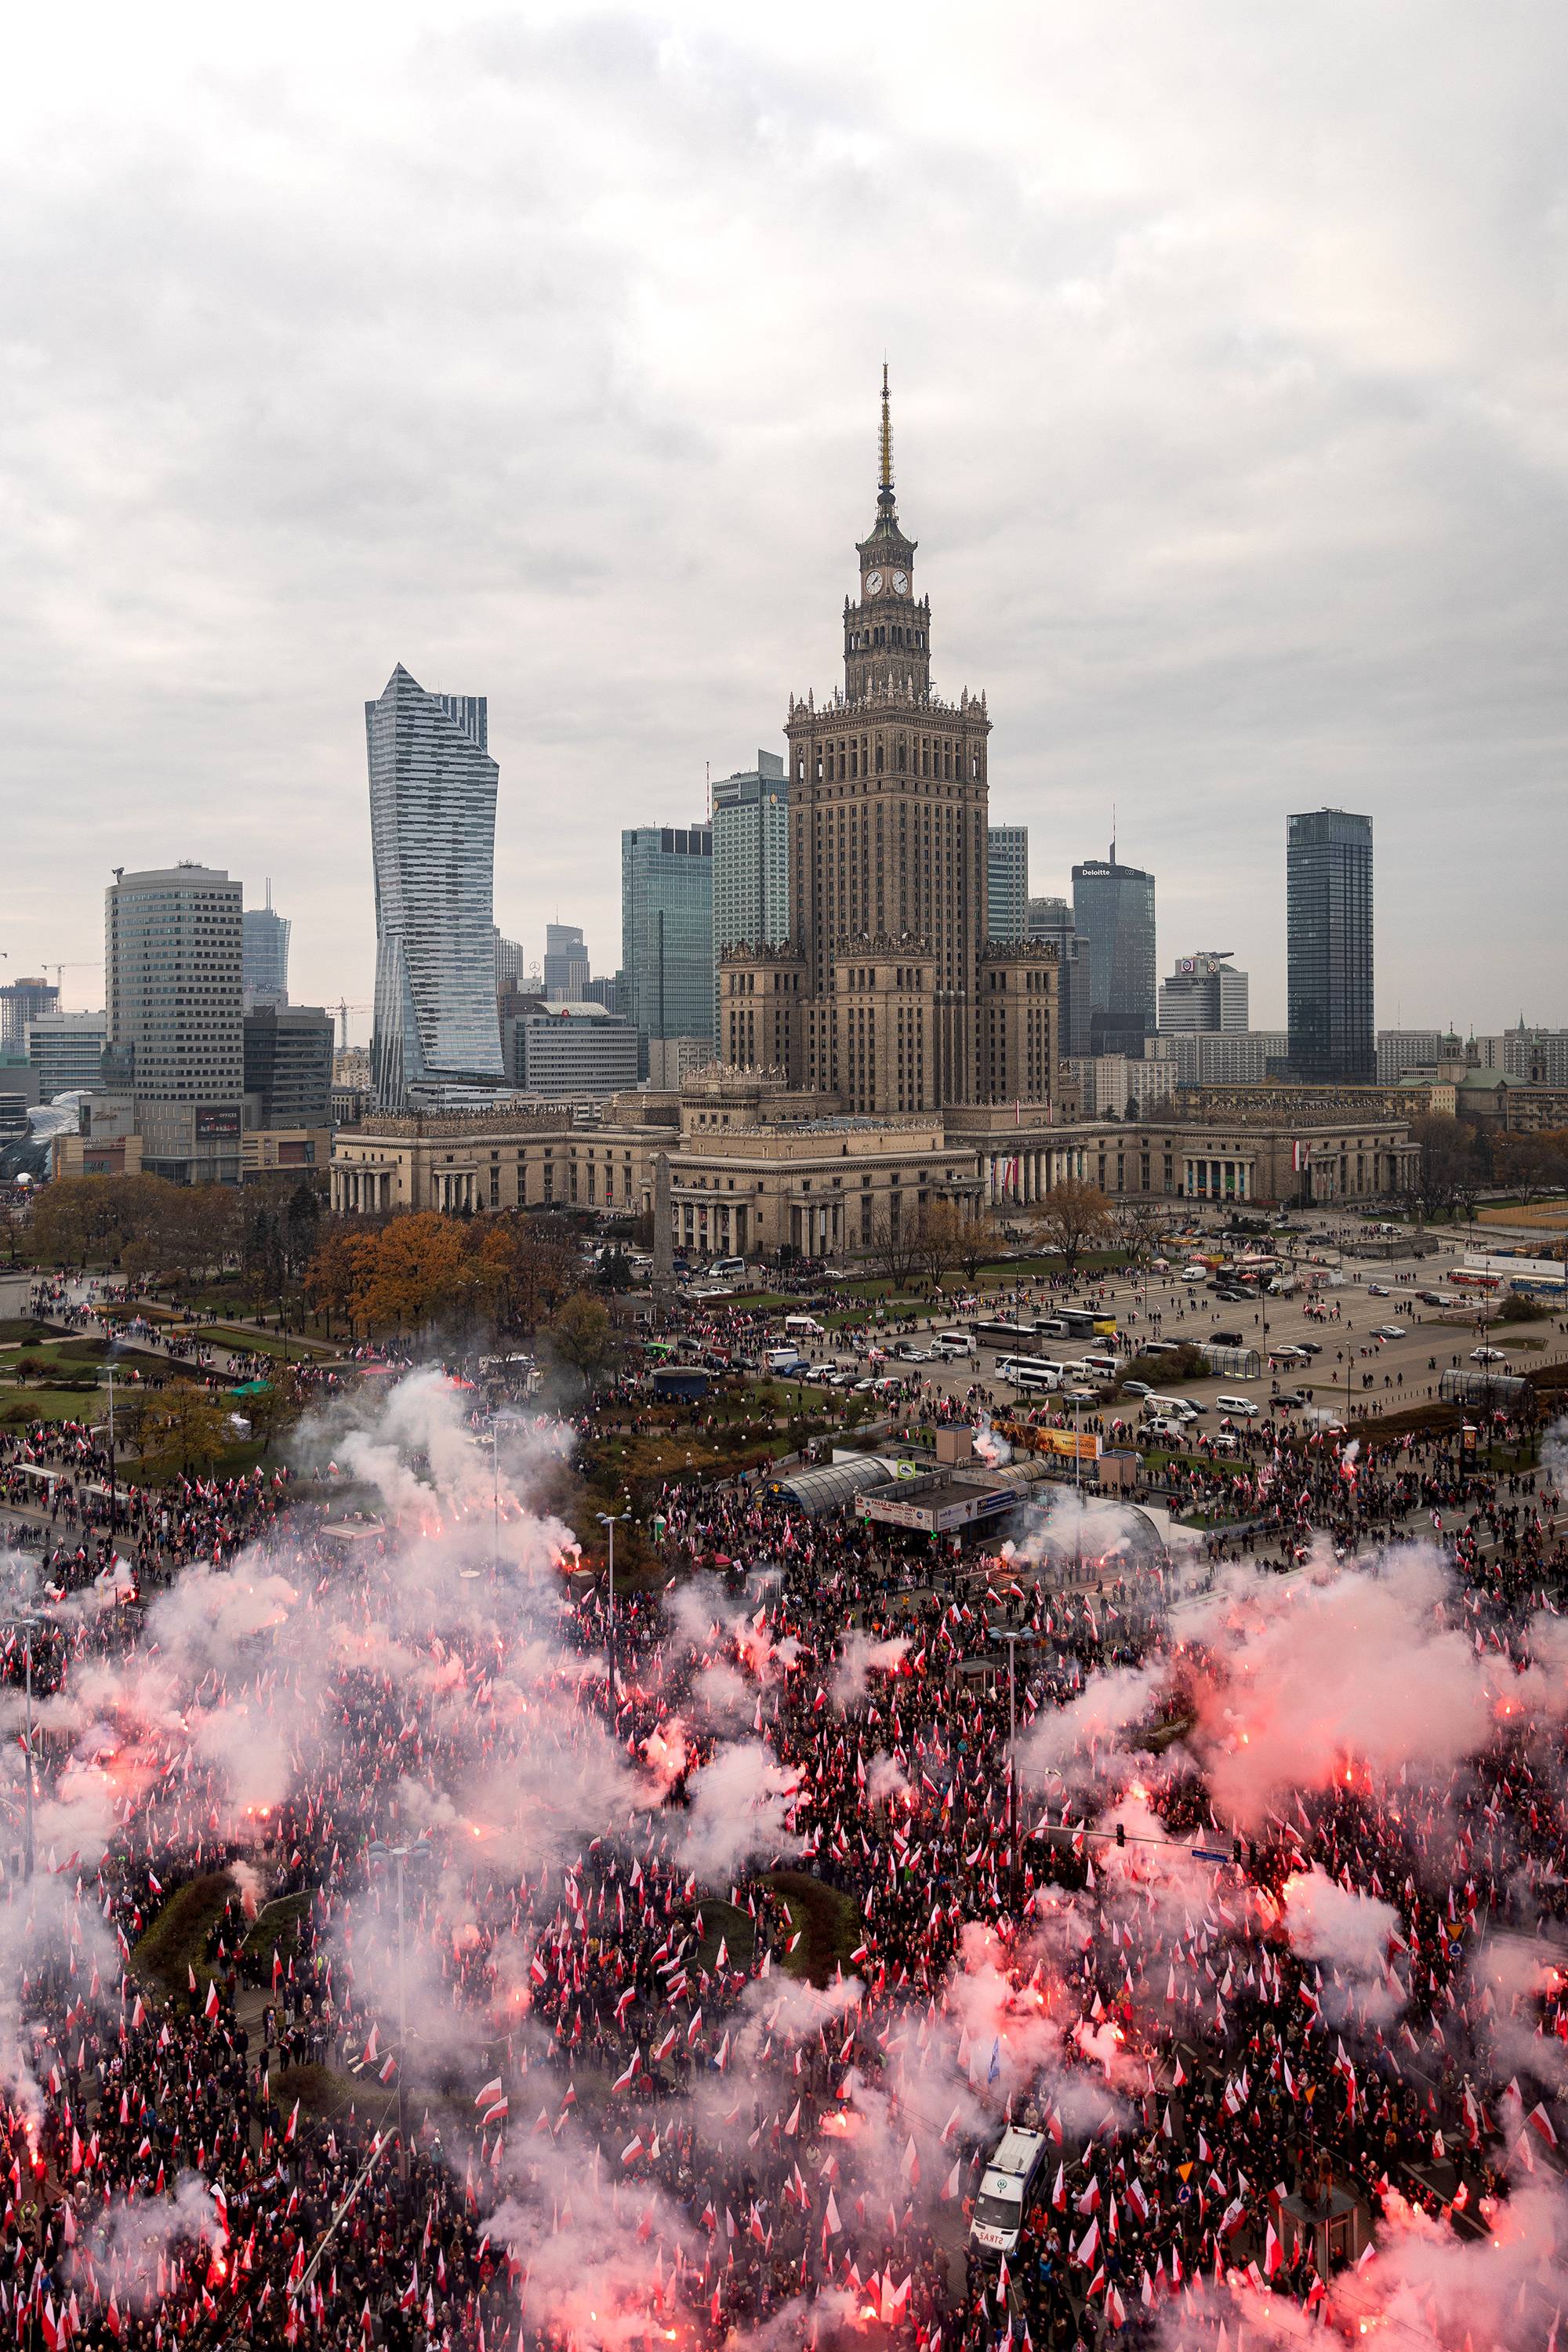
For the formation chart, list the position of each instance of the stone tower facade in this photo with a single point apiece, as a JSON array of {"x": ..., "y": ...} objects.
[
  {"x": 889, "y": 995},
  {"x": 888, "y": 808}
]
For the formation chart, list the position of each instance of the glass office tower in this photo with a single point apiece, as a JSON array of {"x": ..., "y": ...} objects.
[
  {"x": 265, "y": 952},
  {"x": 437, "y": 1038},
  {"x": 751, "y": 861},
  {"x": 1113, "y": 911},
  {"x": 1007, "y": 882},
  {"x": 666, "y": 929},
  {"x": 1328, "y": 889}
]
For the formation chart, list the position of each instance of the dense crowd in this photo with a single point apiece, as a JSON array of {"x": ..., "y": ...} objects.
[{"x": 703, "y": 1987}]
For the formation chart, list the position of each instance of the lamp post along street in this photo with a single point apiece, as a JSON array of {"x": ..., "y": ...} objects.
[
  {"x": 608, "y": 1520},
  {"x": 1012, "y": 1635},
  {"x": 420, "y": 1855},
  {"x": 26, "y": 1626},
  {"x": 113, "y": 1510},
  {"x": 495, "y": 1482}
]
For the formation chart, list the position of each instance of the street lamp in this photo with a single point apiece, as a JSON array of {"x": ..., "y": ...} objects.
[
  {"x": 114, "y": 1513},
  {"x": 26, "y": 1624},
  {"x": 420, "y": 1856},
  {"x": 608, "y": 1520},
  {"x": 1012, "y": 1635}
]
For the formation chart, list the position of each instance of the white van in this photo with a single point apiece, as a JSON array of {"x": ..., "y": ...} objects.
[
  {"x": 1012, "y": 2182},
  {"x": 723, "y": 1269},
  {"x": 949, "y": 1344},
  {"x": 1238, "y": 1404},
  {"x": 803, "y": 1326},
  {"x": 1169, "y": 1408}
]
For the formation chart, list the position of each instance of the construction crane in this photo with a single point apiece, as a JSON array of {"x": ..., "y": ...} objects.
[
  {"x": 343, "y": 1009},
  {"x": 83, "y": 963}
]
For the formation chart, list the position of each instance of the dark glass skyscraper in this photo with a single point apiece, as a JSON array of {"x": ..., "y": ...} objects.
[
  {"x": 1113, "y": 911},
  {"x": 666, "y": 929},
  {"x": 1329, "y": 945}
]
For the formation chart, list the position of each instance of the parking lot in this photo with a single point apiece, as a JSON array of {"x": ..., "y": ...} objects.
[{"x": 1371, "y": 1343}]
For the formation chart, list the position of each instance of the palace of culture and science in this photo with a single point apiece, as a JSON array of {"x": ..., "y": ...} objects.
[
  {"x": 891, "y": 995},
  {"x": 889, "y": 1055}
]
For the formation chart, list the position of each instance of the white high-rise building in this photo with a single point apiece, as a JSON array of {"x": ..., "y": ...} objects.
[
  {"x": 172, "y": 962},
  {"x": 65, "y": 1049},
  {"x": 1205, "y": 992},
  {"x": 435, "y": 1042}
]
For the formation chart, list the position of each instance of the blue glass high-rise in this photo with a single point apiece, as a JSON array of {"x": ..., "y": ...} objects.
[{"x": 437, "y": 1038}]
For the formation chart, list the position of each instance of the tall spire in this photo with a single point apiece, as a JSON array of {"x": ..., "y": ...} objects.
[{"x": 885, "y": 476}]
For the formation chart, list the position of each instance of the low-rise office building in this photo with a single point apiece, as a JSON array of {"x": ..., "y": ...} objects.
[{"x": 753, "y": 1166}]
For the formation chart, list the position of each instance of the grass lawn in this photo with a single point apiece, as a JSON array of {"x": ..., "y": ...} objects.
[
  {"x": 322, "y": 2092},
  {"x": 275, "y": 1925},
  {"x": 22, "y": 1404},
  {"x": 265, "y": 1343},
  {"x": 176, "y": 1941},
  {"x": 722, "y": 1922},
  {"x": 669, "y": 1454},
  {"x": 830, "y": 1923}
]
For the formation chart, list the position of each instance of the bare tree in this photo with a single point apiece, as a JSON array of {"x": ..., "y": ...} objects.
[
  {"x": 1139, "y": 1229},
  {"x": 1073, "y": 1216},
  {"x": 976, "y": 1246},
  {"x": 896, "y": 1249},
  {"x": 1446, "y": 1168},
  {"x": 939, "y": 1238}
]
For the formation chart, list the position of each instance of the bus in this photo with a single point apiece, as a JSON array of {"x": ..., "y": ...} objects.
[
  {"x": 1029, "y": 1372},
  {"x": 1084, "y": 1323},
  {"x": 1009, "y": 1335}
]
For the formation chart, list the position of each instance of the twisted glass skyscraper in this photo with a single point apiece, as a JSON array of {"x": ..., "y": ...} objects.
[{"x": 437, "y": 1039}]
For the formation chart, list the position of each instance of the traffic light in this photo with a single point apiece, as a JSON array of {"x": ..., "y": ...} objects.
[{"x": 1121, "y": 1832}]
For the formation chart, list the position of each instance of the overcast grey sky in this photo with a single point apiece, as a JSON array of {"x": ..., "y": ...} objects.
[{"x": 537, "y": 349}]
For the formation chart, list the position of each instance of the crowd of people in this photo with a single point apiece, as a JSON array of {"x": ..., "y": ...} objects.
[{"x": 401, "y": 1951}]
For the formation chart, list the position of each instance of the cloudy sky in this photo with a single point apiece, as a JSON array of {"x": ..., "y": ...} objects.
[{"x": 537, "y": 349}]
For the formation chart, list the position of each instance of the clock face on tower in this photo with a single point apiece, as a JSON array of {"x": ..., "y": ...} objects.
[
  {"x": 900, "y": 582},
  {"x": 873, "y": 583}
]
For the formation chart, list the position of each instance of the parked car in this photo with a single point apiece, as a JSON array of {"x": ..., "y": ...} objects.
[
  {"x": 1388, "y": 1331},
  {"x": 908, "y": 1352},
  {"x": 1309, "y": 1347},
  {"x": 1136, "y": 1388},
  {"x": 1488, "y": 1356},
  {"x": 1291, "y": 1399}
]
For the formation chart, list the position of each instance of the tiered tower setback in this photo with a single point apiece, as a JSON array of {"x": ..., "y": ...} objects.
[{"x": 888, "y": 809}]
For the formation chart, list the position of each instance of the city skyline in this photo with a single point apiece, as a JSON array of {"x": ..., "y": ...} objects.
[{"x": 1241, "y": 487}]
